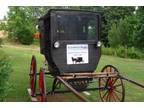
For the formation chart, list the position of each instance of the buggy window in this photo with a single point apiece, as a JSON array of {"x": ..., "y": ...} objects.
[{"x": 76, "y": 27}]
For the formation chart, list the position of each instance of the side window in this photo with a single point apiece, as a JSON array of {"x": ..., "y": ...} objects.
[
  {"x": 61, "y": 26},
  {"x": 92, "y": 29}
]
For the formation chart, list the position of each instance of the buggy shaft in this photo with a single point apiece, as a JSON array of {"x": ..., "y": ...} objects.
[
  {"x": 72, "y": 89},
  {"x": 131, "y": 81}
]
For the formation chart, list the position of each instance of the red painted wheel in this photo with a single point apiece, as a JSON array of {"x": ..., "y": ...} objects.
[
  {"x": 32, "y": 74},
  {"x": 42, "y": 86},
  {"x": 113, "y": 87}
]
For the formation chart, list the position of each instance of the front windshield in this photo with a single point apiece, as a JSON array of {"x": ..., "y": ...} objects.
[{"x": 76, "y": 27}]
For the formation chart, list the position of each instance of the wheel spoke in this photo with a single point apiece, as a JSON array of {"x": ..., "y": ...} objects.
[
  {"x": 116, "y": 96},
  {"x": 104, "y": 81},
  {"x": 105, "y": 94},
  {"x": 117, "y": 91},
  {"x": 107, "y": 70},
  {"x": 104, "y": 70},
  {"x": 109, "y": 98},
  {"x": 113, "y": 97},
  {"x": 114, "y": 81},
  {"x": 118, "y": 85},
  {"x": 110, "y": 69}
]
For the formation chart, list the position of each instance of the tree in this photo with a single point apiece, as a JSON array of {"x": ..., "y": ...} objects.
[
  {"x": 114, "y": 38},
  {"x": 122, "y": 33},
  {"x": 113, "y": 15},
  {"x": 20, "y": 25},
  {"x": 139, "y": 36},
  {"x": 22, "y": 21},
  {"x": 119, "y": 34}
]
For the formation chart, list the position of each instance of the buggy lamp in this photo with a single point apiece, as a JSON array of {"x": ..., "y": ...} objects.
[
  {"x": 99, "y": 44},
  {"x": 56, "y": 44}
]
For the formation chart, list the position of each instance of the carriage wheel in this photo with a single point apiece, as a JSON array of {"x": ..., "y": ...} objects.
[
  {"x": 33, "y": 69},
  {"x": 113, "y": 86},
  {"x": 42, "y": 86}
]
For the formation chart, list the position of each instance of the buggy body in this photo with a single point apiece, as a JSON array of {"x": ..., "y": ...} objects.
[{"x": 69, "y": 40}]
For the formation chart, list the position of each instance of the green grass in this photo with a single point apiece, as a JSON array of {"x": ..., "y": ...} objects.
[{"x": 20, "y": 57}]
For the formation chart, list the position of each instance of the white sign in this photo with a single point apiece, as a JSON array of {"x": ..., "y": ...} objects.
[{"x": 77, "y": 54}]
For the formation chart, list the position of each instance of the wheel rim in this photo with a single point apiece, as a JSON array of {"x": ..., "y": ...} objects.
[
  {"x": 113, "y": 88},
  {"x": 32, "y": 74},
  {"x": 42, "y": 86}
]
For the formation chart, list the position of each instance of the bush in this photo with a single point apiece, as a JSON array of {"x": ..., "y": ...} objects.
[
  {"x": 124, "y": 53},
  {"x": 121, "y": 52},
  {"x": 20, "y": 32},
  {"x": 134, "y": 54},
  {"x": 107, "y": 51},
  {"x": 5, "y": 70},
  {"x": 25, "y": 36}
]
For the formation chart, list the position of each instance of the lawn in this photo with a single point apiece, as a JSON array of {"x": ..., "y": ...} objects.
[{"x": 20, "y": 57}]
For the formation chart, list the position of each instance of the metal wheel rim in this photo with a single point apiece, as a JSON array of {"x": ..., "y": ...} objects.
[
  {"x": 32, "y": 74},
  {"x": 42, "y": 86}
]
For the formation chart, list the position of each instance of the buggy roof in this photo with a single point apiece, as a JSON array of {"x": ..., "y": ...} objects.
[{"x": 47, "y": 15}]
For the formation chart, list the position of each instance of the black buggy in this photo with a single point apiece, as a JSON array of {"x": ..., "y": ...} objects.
[{"x": 70, "y": 43}]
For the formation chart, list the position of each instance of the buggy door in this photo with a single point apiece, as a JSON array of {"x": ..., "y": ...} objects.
[{"x": 74, "y": 38}]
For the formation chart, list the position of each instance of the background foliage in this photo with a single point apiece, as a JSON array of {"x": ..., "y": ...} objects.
[
  {"x": 5, "y": 70},
  {"x": 121, "y": 26}
]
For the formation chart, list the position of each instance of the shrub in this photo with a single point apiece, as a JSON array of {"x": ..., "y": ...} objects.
[
  {"x": 121, "y": 52},
  {"x": 25, "y": 36},
  {"x": 124, "y": 53},
  {"x": 107, "y": 51},
  {"x": 5, "y": 70},
  {"x": 134, "y": 54}
]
